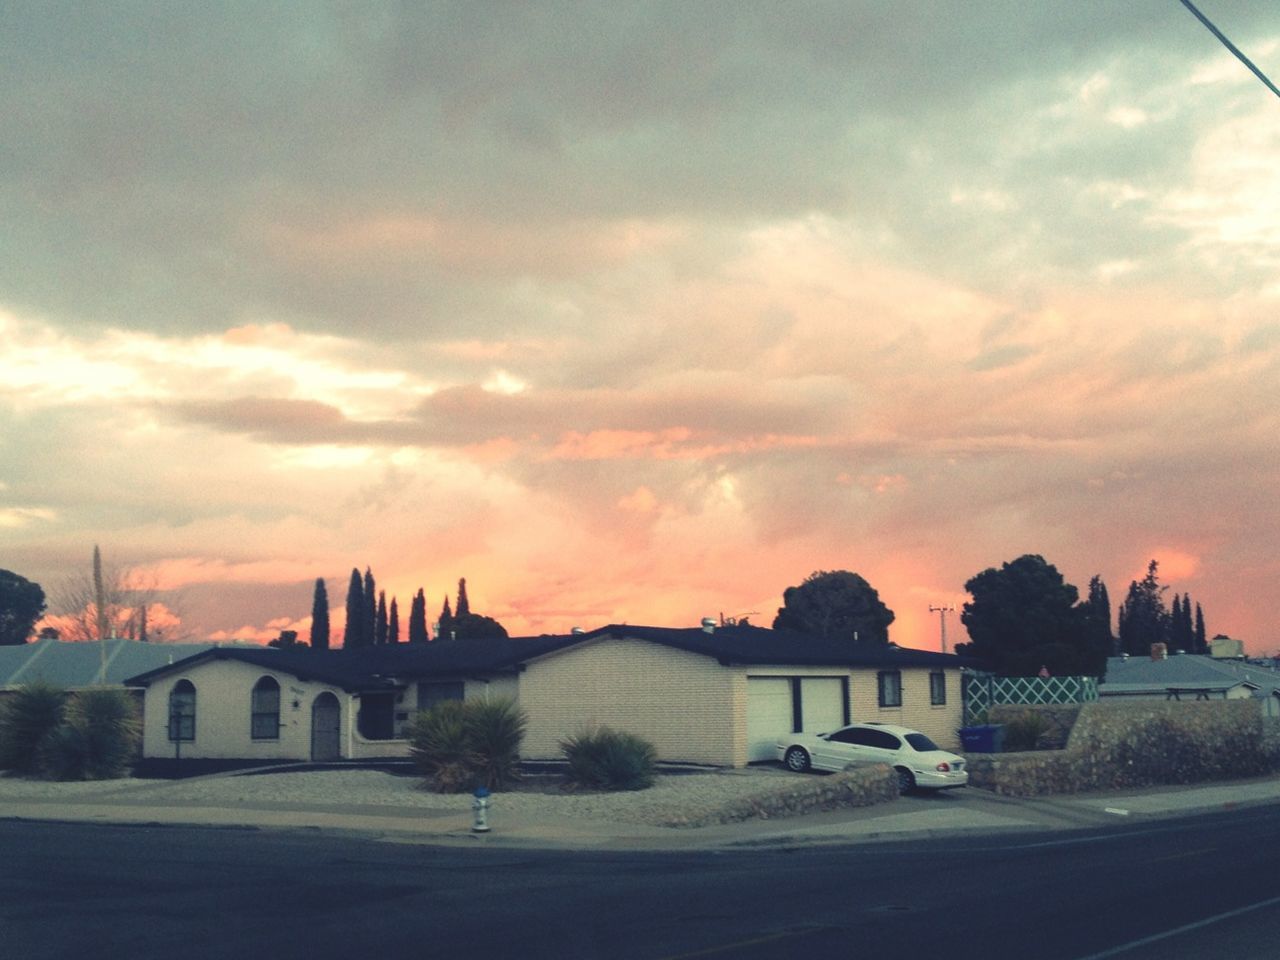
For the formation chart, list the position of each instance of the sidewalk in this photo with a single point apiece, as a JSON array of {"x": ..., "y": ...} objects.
[{"x": 949, "y": 814}]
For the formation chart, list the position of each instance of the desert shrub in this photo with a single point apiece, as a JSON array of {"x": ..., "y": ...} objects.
[
  {"x": 27, "y": 718},
  {"x": 609, "y": 759},
  {"x": 495, "y": 728},
  {"x": 1024, "y": 731},
  {"x": 459, "y": 745},
  {"x": 97, "y": 739},
  {"x": 439, "y": 746}
]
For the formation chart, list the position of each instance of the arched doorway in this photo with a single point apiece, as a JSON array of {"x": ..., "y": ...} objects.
[{"x": 326, "y": 728}]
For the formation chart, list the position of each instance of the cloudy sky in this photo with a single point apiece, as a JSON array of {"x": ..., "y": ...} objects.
[{"x": 639, "y": 312}]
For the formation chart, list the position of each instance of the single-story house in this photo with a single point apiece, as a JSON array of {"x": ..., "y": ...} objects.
[
  {"x": 1188, "y": 676},
  {"x": 716, "y": 694}
]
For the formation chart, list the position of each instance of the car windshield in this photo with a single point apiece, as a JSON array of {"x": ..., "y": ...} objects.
[{"x": 920, "y": 742}]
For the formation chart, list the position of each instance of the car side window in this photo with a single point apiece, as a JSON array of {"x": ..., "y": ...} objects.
[
  {"x": 845, "y": 736},
  {"x": 882, "y": 740}
]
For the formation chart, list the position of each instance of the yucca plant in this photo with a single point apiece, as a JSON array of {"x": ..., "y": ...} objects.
[
  {"x": 606, "y": 759},
  {"x": 97, "y": 740},
  {"x": 440, "y": 747},
  {"x": 461, "y": 745},
  {"x": 27, "y": 718},
  {"x": 495, "y": 729}
]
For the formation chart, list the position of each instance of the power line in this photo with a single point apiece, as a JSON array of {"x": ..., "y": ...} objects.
[{"x": 1231, "y": 46}]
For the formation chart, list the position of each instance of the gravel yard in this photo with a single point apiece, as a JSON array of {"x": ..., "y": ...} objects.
[{"x": 673, "y": 798}]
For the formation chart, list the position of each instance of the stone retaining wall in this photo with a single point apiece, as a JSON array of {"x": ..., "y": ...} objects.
[
  {"x": 1137, "y": 743},
  {"x": 1060, "y": 718},
  {"x": 857, "y": 787}
]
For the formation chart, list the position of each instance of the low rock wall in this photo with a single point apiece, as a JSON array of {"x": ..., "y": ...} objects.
[
  {"x": 857, "y": 787},
  {"x": 1059, "y": 718},
  {"x": 1138, "y": 743}
]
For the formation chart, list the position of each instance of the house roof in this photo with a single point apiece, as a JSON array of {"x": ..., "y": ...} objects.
[
  {"x": 72, "y": 665},
  {"x": 1135, "y": 675},
  {"x": 748, "y": 645},
  {"x": 384, "y": 667}
]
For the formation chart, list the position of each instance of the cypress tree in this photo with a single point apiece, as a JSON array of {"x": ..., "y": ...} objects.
[
  {"x": 353, "y": 631},
  {"x": 464, "y": 605},
  {"x": 1202, "y": 644},
  {"x": 380, "y": 625},
  {"x": 393, "y": 628},
  {"x": 370, "y": 615},
  {"x": 418, "y": 618},
  {"x": 444, "y": 630},
  {"x": 320, "y": 617},
  {"x": 1176, "y": 638}
]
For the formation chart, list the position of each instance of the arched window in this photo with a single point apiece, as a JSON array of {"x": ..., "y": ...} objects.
[
  {"x": 182, "y": 711},
  {"x": 265, "y": 722}
]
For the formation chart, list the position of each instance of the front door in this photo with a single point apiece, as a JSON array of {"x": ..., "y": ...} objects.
[{"x": 326, "y": 728}]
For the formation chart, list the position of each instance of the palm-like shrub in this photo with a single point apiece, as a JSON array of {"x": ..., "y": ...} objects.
[
  {"x": 27, "y": 718},
  {"x": 606, "y": 759},
  {"x": 495, "y": 730},
  {"x": 1024, "y": 731},
  {"x": 97, "y": 740},
  {"x": 440, "y": 747},
  {"x": 461, "y": 745}
]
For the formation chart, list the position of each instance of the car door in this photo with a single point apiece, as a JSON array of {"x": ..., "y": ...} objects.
[
  {"x": 880, "y": 746},
  {"x": 837, "y": 750}
]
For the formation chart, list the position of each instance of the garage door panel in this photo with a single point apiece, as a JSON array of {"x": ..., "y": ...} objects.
[
  {"x": 822, "y": 703},
  {"x": 769, "y": 715}
]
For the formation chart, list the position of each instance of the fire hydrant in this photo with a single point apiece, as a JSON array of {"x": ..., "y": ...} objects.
[{"x": 480, "y": 807}]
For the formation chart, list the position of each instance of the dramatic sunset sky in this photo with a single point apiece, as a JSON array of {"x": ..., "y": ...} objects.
[{"x": 639, "y": 312}]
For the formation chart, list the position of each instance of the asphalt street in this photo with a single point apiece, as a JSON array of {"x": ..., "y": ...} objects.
[{"x": 1173, "y": 888}]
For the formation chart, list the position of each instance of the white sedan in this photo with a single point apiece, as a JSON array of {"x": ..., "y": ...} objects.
[{"x": 916, "y": 758}]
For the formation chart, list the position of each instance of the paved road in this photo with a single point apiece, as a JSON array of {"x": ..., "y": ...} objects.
[{"x": 95, "y": 891}]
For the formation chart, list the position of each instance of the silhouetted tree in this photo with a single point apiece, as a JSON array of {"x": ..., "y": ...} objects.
[
  {"x": 463, "y": 608},
  {"x": 1143, "y": 618},
  {"x": 836, "y": 605},
  {"x": 380, "y": 620},
  {"x": 320, "y": 617},
  {"x": 21, "y": 605},
  {"x": 393, "y": 626},
  {"x": 418, "y": 618},
  {"x": 444, "y": 629},
  {"x": 353, "y": 631},
  {"x": 1097, "y": 614},
  {"x": 1024, "y": 617},
  {"x": 369, "y": 622},
  {"x": 288, "y": 640},
  {"x": 1202, "y": 644}
]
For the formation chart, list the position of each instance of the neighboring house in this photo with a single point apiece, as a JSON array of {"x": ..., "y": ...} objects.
[
  {"x": 1191, "y": 677},
  {"x": 716, "y": 695},
  {"x": 72, "y": 666}
]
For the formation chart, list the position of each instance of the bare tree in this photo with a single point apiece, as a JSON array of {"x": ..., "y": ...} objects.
[{"x": 112, "y": 600}]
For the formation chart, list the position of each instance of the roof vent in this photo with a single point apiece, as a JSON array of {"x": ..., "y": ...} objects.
[
  {"x": 708, "y": 624},
  {"x": 1159, "y": 651},
  {"x": 577, "y": 631}
]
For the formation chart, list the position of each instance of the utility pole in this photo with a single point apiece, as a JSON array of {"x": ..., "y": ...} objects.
[{"x": 942, "y": 618}]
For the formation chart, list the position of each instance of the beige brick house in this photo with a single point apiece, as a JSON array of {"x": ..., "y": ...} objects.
[{"x": 713, "y": 695}]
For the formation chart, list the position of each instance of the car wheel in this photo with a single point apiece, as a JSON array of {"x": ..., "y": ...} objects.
[
  {"x": 906, "y": 781},
  {"x": 797, "y": 759}
]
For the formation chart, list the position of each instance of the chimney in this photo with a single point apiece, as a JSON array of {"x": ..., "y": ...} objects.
[{"x": 1159, "y": 651}]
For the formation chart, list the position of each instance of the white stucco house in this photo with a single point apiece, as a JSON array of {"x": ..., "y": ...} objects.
[{"x": 714, "y": 695}]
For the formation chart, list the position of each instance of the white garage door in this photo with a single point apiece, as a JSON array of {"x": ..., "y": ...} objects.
[
  {"x": 768, "y": 714},
  {"x": 821, "y": 703}
]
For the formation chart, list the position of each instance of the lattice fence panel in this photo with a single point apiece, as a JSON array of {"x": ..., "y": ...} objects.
[{"x": 982, "y": 691}]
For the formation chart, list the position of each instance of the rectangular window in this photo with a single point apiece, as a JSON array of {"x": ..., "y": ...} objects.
[
  {"x": 889, "y": 683},
  {"x": 937, "y": 688},
  {"x": 429, "y": 694}
]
